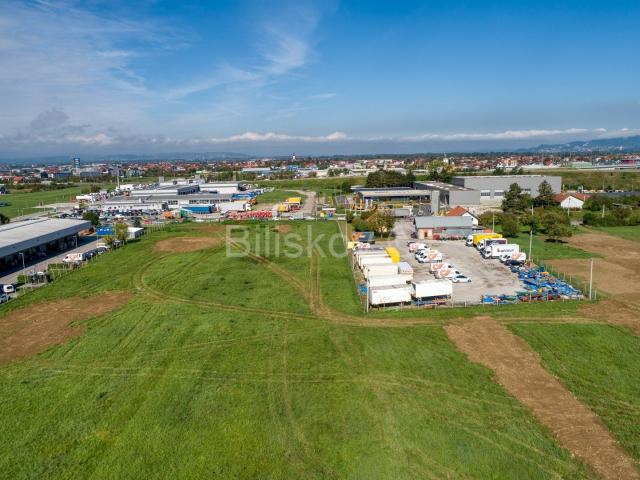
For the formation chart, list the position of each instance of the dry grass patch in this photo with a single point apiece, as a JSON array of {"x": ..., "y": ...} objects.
[
  {"x": 187, "y": 244},
  {"x": 30, "y": 330}
]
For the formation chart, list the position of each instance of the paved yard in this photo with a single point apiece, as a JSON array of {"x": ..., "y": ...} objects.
[{"x": 488, "y": 276}]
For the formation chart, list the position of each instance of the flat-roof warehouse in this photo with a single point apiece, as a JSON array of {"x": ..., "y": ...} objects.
[{"x": 37, "y": 236}]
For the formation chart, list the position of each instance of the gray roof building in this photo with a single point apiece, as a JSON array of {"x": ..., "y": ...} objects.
[
  {"x": 493, "y": 187},
  {"x": 24, "y": 235},
  {"x": 443, "y": 222}
]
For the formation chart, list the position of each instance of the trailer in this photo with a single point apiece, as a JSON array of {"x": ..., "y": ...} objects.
[
  {"x": 377, "y": 270},
  {"x": 366, "y": 261},
  {"x": 390, "y": 295},
  {"x": 388, "y": 280},
  {"x": 497, "y": 250},
  {"x": 404, "y": 267},
  {"x": 430, "y": 289}
]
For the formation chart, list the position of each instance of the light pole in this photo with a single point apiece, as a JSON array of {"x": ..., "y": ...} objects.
[
  {"x": 590, "y": 279},
  {"x": 24, "y": 268}
]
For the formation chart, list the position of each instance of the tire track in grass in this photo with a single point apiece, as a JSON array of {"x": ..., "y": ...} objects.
[{"x": 519, "y": 371}]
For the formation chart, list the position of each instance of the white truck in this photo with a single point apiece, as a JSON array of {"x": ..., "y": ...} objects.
[
  {"x": 497, "y": 250},
  {"x": 361, "y": 256},
  {"x": 428, "y": 289},
  {"x": 389, "y": 280},
  {"x": 386, "y": 269},
  {"x": 74, "y": 258},
  {"x": 390, "y": 295},
  {"x": 483, "y": 244},
  {"x": 514, "y": 258}
]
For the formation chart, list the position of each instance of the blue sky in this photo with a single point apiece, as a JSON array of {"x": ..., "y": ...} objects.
[{"x": 314, "y": 77}]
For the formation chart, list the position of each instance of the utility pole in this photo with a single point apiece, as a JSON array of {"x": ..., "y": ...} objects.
[
  {"x": 590, "y": 279},
  {"x": 493, "y": 222}
]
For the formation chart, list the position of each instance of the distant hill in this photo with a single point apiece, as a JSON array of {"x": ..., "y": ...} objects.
[
  {"x": 133, "y": 158},
  {"x": 618, "y": 144}
]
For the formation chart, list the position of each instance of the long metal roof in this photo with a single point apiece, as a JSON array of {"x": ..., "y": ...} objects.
[
  {"x": 18, "y": 236},
  {"x": 450, "y": 222}
]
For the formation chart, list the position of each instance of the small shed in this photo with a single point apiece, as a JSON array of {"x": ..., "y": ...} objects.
[{"x": 434, "y": 228}]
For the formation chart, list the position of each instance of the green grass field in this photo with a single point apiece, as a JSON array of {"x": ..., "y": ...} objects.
[
  {"x": 218, "y": 367},
  {"x": 276, "y": 196},
  {"x": 628, "y": 233},
  {"x": 543, "y": 250},
  {"x": 25, "y": 203},
  {"x": 599, "y": 364}
]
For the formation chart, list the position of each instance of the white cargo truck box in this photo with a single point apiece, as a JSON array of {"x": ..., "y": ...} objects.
[
  {"x": 389, "y": 280},
  {"x": 432, "y": 288},
  {"x": 390, "y": 295},
  {"x": 496, "y": 250},
  {"x": 387, "y": 269},
  {"x": 404, "y": 267},
  {"x": 365, "y": 262},
  {"x": 362, "y": 258}
]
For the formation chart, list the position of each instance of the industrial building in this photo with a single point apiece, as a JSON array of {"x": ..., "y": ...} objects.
[
  {"x": 493, "y": 187},
  {"x": 434, "y": 228},
  {"x": 166, "y": 190},
  {"x": 167, "y": 202},
  {"x": 368, "y": 197},
  {"x": 448, "y": 194},
  {"x": 32, "y": 239}
]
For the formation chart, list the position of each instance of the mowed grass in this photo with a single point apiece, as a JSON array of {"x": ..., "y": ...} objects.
[
  {"x": 25, "y": 203},
  {"x": 599, "y": 364},
  {"x": 543, "y": 250},
  {"x": 277, "y": 196},
  {"x": 169, "y": 388},
  {"x": 628, "y": 233}
]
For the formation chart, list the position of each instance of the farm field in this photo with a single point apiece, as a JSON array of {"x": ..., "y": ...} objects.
[
  {"x": 25, "y": 203},
  {"x": 201, "y": 362}
]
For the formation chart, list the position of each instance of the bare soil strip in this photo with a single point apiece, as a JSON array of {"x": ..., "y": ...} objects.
[
  {"x": 30, "y": 330},
  {"x": 518, "y": 370},
  {"x": 186, "y": 244}
]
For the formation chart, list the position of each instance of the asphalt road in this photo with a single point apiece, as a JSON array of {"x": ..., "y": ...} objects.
[{"x": 84, "y": 244}]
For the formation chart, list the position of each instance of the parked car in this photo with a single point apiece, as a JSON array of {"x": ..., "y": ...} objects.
[
  {"x": 7, "y": 288},
  {"x": 4, "y": 298},
  {"x": 459, "y": 278}
]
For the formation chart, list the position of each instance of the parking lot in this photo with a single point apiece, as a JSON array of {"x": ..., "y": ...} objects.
[{"x": 488, "y": 277}]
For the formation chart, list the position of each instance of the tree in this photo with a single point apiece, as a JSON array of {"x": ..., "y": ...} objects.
[
  {"x": 510, "y": 225},
  {"x": 93, "y": 217},
  {"x": 136, "y": 222},
  {"x": 546, "y": 197},
  {"x": 515, "y": 201},
  {"x": 121, "y": 231},
  {"x": 108, "y": 239},
  {"x": 4, "y": 219},
  {"x": 440, "y": 171},
  {"x": 556, "y": 225}
]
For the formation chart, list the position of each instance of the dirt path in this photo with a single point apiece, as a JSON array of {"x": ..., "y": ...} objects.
[
  {"x": 30, "y": 330},
  {"x": 518, "y": 370}
]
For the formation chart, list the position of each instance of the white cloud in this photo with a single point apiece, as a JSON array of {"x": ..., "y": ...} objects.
[{"x": 506, "y": 135}]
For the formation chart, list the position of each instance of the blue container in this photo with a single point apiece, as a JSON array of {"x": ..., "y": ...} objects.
[{"x": 104, "y": 230}]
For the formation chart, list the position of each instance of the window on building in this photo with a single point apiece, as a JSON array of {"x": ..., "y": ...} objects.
[
  {"x": 485, "y": 193},
  {"x": 498, "y": 193}
]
